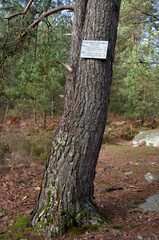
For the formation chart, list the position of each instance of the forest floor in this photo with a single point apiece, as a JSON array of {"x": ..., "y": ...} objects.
[{"x": 120, "y": 186}]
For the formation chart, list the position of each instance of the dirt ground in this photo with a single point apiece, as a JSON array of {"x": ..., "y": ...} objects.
[{"x": 117, "y": 193}]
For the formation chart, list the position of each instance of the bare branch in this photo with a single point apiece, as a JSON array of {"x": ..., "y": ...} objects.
[
  {"x": 66, "y": 66},
  {"x": 5, "y": 8},
  {"x": 54, "y": 10},
  {"x": 28, "y": 5},
  {"x": 20, "y": 13},
  {"x": 34, "y": 25},
  {"x": 15, "y": 15}
]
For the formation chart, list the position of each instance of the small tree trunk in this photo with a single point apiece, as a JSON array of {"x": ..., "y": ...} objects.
[
  {"x": 5, "y": 114},
  {"x": 45, "y": 114},
  {"x": 133, "y": 42},
  {"x": 66, "y": 196},
  {"x": 35, "y": 115},
  {"x": 52, "y": 107}
]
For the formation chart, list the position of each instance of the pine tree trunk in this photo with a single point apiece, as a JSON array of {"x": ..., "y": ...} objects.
[{"x": 66, "y": 196}]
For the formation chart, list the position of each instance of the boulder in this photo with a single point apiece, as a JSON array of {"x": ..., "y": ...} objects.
[
  {"x": 147, "y": 138},
  {"x": 152, "y": 203},
  {"x": 150, "y": 177}
]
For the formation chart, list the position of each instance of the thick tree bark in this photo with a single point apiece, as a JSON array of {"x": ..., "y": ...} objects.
[{"x": 66, "y": 196}]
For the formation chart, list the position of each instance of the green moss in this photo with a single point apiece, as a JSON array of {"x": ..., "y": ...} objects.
[
  {"x": 40, "y": 226},
  {"x": 83, "y": 214},
  {"x": 58, "y": 190},
  {"x": 51, "y": 219},
  {"x": 50, "y": 199},
  {"x": 118, "y": 227},
  {"x": 83, "y": 229},
  {"x": 20, "y": 224},
  {"x": 70, "y": 221},
  {"x": 93, "y": 228},
  {"x": 16, "y": 231},
  {"x": 103, "y": 220}
]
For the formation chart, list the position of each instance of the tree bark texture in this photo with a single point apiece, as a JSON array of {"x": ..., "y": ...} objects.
[{"x": 66, "y": 196}]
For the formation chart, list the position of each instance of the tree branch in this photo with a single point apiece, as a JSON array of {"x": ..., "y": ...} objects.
[
  {"x": 20, "y": 13},
  {"x": 140, "y": 62},
  {"x": 35, "y": 23},
  {"x": 54, "y": 10},
  {"x": 15, "y": 15},
  {"x": 145, "y": 13},
  {"x": 28, "y": 5}
]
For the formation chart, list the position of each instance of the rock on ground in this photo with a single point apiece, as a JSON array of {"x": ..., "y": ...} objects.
[
  {"x": 148, "y": 138},
  {"x": 150, "y": 177},
  {"x": 152, "y": 203}
]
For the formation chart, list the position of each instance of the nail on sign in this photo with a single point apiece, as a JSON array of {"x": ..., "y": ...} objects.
[{"x": 94, "y": 49}]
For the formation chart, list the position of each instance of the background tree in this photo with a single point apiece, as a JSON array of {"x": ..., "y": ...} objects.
[
  {"x": 25, "y": 84},
  {"x": 136, "y": 59}
]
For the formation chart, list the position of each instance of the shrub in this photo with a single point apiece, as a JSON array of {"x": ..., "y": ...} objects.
[
  {"x": 4, "y": 148},
  {"x": 128, "y": 133},
  {"x": 108, "y": 138},
  {"x": 23, "y": 148},
  {"x": 40, "y": 146}
]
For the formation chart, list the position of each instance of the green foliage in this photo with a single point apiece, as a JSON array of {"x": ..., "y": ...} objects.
[
  {"x": 135, "y": 89},
  {"x": 31, "y": 78}
]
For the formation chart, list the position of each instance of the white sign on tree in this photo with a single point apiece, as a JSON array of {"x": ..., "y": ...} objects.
[{"x": 94, "y": 49}]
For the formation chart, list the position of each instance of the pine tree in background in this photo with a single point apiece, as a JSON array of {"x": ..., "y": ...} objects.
[
  {"x": 31, "y": 78},
  {"x": 135, "y": 85}
]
